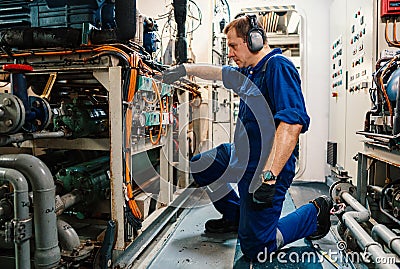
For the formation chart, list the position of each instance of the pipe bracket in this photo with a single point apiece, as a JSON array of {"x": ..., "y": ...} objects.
[{"x": 22, "y": 230}]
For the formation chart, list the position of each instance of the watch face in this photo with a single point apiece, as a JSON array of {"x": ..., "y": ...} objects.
[{"x": 267, "y": 175}]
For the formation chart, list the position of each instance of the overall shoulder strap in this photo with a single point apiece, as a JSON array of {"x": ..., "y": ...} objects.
[
  {"x": 267, "y": 93},
  {"x": 266, "y": 62}
]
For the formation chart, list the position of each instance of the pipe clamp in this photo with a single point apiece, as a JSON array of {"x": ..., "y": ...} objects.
[{"x": 22, "y": 230}]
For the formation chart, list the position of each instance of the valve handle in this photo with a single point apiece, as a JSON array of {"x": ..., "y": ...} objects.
[{"x": 17, "y": 68}]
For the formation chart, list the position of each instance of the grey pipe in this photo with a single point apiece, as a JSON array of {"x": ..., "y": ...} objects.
[
  {"x": 378, "y": 189},
  {"x": 364, "y": 240},
  {"x": 21, "y": 137},
  {"x": 67, "y": 235},
  {"x": 47, "y": 252},
  {"x": 21, "y": 213},
  {"x": 68, "y": 200},
  {"x": 389, "y": 237}
]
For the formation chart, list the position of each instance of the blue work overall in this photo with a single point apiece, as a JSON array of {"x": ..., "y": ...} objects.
[{"x": 276, "y": 82}]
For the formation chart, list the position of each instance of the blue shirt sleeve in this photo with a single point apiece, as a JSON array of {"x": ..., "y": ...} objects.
[
  {"x": 231, "y": 78},
  {"x": 284, "y": 89}
]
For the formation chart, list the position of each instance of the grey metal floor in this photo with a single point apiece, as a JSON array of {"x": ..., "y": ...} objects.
[{"x": 189, "y": 247}]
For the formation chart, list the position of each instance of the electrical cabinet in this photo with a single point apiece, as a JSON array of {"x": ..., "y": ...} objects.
[{"x": 351, "y": 75}]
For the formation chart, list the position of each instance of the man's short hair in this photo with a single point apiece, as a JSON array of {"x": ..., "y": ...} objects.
[{"x": 242, "y": 27}]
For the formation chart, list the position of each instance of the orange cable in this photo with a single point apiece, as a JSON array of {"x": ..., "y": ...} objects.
[
  {"x": 128, "y": 125},
  {"x": 387, "y": 35}
]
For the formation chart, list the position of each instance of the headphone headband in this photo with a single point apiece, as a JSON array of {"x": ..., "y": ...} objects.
[
  {"x": 252, "y": 20},
  {"x": 255, "y": 36}
]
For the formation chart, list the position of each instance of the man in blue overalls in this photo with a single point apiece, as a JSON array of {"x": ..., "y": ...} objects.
[{"x": 272, "y": 115}]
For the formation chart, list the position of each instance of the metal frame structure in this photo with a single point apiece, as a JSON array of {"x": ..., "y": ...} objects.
[{"x": 109, "y": 75}]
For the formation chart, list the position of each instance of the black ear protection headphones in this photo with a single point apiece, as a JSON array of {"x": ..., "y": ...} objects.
[{"x": 255, "y": 36}]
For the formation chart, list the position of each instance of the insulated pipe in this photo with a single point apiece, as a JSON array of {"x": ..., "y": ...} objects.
[
  {"x": 47, "y": 252},
  {"x": 21, "y": 213},
  {"x": 389, "y": 237},
  {"x": 365, "y": 241},
  {"x": 67, "y": 235},
  {"x": 180, "y": 12}
]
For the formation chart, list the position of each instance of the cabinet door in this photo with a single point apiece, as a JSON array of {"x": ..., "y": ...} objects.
[
  {"x": 359, "y": 65},
  {"x": 337, "y": 103}
]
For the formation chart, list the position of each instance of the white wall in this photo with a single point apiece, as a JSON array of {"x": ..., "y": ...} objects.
[
  {"x": 315, "y": 66},
  {"x": 315, "y": 77}
]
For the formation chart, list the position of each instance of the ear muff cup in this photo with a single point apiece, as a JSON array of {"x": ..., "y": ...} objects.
[{"x": 255, "y": 36}]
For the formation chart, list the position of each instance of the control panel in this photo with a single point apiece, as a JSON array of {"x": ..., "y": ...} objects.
[
  {"x": 358, "y": 68},
  {"x": 337, "y": 73}
]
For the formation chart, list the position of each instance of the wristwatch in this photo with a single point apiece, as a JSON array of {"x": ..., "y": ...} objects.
[{"x": 266, "y": 176}]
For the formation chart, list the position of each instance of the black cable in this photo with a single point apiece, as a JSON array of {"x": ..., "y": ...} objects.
[
  {"x": 229, "y": 10},
  {"x": 127, "y": 80},
  {"x": 200, "y": 17},
  {"x": 113, "y": 53}
]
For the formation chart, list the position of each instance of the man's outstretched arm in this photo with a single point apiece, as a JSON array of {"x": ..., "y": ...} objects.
[{"x": 203, "y": 71}]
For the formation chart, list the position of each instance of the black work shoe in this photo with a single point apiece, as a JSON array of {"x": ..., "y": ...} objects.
[
  {"x": 324, "y": 205},
  {"x": 221, "y": 226}
]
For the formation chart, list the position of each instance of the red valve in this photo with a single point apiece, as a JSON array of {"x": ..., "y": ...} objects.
[{"x": 17, "y": 68}]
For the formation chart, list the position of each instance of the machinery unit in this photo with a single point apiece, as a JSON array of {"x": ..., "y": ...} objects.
[
  {"x": 370, "y": 222},
  {"x": 89, "y": 135}
]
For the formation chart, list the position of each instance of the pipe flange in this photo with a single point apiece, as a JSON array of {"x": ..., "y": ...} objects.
[
  {"x": 12, "y": 113},
  {"x": 339, "y": 187},
  {"x": 43, "y": 114}
]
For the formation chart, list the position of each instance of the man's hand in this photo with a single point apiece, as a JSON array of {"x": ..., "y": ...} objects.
[
  {"x": 263, "y": 197},
  {"x": 173, "y": 74}
]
